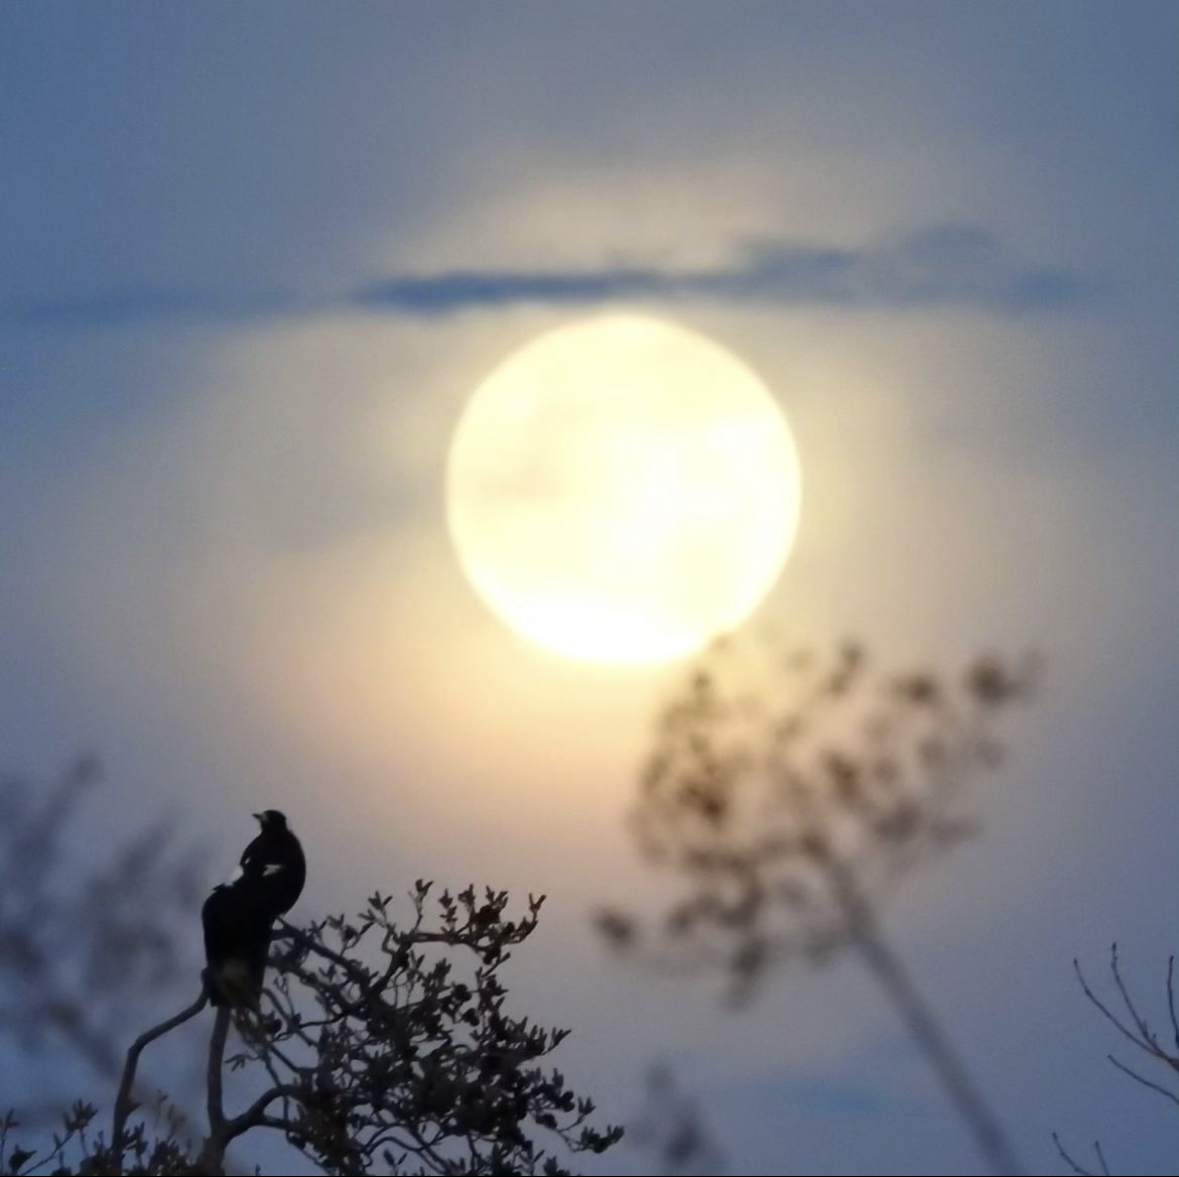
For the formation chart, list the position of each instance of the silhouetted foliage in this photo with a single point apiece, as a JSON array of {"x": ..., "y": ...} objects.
[
  {"x": 790, "y": 794},
  {"x": 1132, "y": 1024},
  {"x": 379, "y": 1048}
]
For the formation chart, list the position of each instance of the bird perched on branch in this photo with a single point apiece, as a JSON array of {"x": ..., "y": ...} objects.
[{"x": 238, "y": 916}]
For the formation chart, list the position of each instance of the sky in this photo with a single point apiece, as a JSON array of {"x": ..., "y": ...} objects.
[{"x": 254, "y": 261}]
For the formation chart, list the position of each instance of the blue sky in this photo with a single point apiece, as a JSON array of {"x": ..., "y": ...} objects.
[{"x": 253, "y": 262}]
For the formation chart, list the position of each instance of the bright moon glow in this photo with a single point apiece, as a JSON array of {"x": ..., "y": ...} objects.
[{"x": 622, "y": 489}]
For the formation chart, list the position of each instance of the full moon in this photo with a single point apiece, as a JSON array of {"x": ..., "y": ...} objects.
[{"x": 622, "y": 489}]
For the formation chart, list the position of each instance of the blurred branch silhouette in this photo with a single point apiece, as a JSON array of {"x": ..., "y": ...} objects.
[
  {"x": 672, "y": 1129},
  {"x": 82, "y": 946},
  {"x": 378, "y": 1048},
  {"x": 790, "y": 795},
  {"x": 1133, "y": 1026}
]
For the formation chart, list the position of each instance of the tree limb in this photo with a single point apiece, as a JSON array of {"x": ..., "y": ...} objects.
[
  {"x": 214, "y": 1102},
  {"x": 124, "y": 1104},
  {"x": 255, "y": 1113}
]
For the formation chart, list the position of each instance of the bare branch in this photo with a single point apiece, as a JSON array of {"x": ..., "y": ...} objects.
[
  {"x": 215, "y": 1100},
  {"x": 1138, "y": 1032},
  {"x": 1143, "y": 1080},
  {"x": 1171, "y": 1008},
  {"x": 1137, "y": 1039},
  {"x": 124, "y": 1104},
  {"x": 1076, "y": 1168},
  {"x": 1147, "y": 1038},
  {"x": 255, "y": 1113}
]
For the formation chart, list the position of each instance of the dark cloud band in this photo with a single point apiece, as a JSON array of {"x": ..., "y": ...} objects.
[{"x": 947, "y": 265}]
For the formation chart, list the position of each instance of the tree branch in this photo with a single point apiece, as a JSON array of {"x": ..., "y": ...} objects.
[
  {"x": 1072, "y": 1164},
  {"x": 1139, "y": 1021},
  {"x": 214, "y": 1102},
  {"x": 1105, "y": 1011},
  {"x": 124, "y": 1104},
  {"x": 274, "y": 1122},
  {"x": 1144, "y": 1081},
  {"x": 1171, "y": 1006},
  {"x": 967, "y": 1098},
  {"x": 255, "y": 1114}
]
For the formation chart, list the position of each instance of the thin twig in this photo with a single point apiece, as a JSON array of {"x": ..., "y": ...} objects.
[
  {"x": 1076, "y": 1168},
  {"x": 1138, "y": 1019},
  {"x": 289, "y": 931},
  {"x": 1171, "y": 1005},
  {"x": 1104, "y": 1009},
  {"x": 1143, "y": 1080},
  {"x": 1101, "y": 1157}
]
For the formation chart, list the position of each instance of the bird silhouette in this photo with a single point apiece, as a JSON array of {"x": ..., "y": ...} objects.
[{"x": 238, "y": 916}]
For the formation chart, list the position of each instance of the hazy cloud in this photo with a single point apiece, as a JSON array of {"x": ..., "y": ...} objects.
[{"x": 944, "y": 265}]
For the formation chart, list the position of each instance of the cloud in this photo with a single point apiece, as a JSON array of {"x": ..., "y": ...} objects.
[{"x": 943, "y": 265}]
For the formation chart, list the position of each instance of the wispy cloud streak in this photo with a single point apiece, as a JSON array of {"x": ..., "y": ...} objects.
[{"x": 947, "y": 265}]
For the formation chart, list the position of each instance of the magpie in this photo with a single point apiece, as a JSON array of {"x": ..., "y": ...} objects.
[{"x": 238, "y": 916}]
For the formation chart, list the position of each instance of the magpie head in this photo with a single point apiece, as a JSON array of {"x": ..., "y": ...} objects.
[{"x": 271, "y": 820}]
